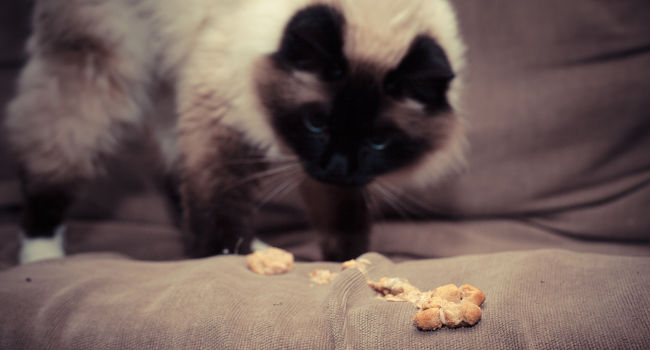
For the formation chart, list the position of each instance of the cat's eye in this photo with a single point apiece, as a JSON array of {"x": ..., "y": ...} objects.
[
  {"x": 379, "y": 142},
  {"x": 314, "y": 124}
]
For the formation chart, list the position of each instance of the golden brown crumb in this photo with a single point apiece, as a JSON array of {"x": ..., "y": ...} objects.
[
  {"x": 448, "y": 314},
  {"x": 397, "y": 289},
  {"x": 471, "y": 313},
  {"x": 447, "y": 305},
  {"x": 447, "y": 292},
  {"x": 472, "y": 294},
  {"x": 319, "y": 276},
  {"x": 360, "y": 264},
  {"x": 428, "y": 320},
  {"x": 271, "y": 261}
]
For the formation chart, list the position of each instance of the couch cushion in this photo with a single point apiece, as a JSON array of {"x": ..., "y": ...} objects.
[{"x": 535, "y": 300}]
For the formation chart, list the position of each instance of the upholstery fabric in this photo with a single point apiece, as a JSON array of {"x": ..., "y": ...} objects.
[
  {"x": 542, "y": 299},
  {"x": 557, "y": 99}
]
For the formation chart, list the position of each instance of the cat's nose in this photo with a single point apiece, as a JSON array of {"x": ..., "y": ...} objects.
[{"x": 337, "y": 166}]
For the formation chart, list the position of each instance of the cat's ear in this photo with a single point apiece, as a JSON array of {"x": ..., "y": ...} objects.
[
  {"x": 313, "y": 42},
  {"x": 423, "y": 74}
]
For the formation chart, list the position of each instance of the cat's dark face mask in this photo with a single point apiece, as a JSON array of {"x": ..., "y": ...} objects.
[{"x": 367, "y": 120}]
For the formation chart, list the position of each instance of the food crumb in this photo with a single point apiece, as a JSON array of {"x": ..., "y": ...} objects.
[
  {"x": 271, "y": 261},
  {"x": 321, "y": 276},
  {"x": 447, "y": 305},
  {"x": 359, "y": 264}
]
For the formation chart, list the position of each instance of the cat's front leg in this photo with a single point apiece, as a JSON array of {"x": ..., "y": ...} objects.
[
  {"x": 218, "y": 189},
  {"x": 341, "y": 216}
]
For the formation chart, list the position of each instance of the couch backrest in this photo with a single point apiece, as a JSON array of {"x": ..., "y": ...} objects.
[{"x": 558, "y": 101}]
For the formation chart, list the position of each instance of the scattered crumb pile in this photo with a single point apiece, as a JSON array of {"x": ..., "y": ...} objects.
[
  {"x": 444, "y": 306},
  {"x": 321, "y": 276},
  {"x": 271, "y": 261}
]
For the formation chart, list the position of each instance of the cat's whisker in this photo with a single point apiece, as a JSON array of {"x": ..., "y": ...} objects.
[
  {"x": 263, "y": 160},
  {"x": 392, "y": 200},
  {"x": 274, "y": 171},
  {"x": 374, "y": 206},
  {"x": 257, "y": 161},
  {"x": 286, "y": 185},
  {"x": 415, "y": 205},
  {"x": 370, "y": 202},
  {"x": 408, "y": 203},
  {"x": 272, "y": 185}
]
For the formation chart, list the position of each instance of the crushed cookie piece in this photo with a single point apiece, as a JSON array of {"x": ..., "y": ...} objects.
[
  {"x": 359, "y": 264},
  {"x": 447, "y": 305},
  {"x": 271, "y": 261},
  {"x": 320, "y": 276}
]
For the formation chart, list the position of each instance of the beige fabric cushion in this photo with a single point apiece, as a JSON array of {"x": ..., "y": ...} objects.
[
  {"x": 557, "y": 100},
  {"x": 535, "y": 300}
]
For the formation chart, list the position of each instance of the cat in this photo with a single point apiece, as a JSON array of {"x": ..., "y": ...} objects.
[{"x": 339, "y": 97}]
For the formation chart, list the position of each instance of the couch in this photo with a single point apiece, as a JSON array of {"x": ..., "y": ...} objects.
[{"x": 551, "y": 218}]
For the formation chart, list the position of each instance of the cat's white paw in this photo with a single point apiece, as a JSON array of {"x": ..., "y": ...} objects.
[
  {"x": 36, "y": 249},
  {"x": 258, "y": 245}
]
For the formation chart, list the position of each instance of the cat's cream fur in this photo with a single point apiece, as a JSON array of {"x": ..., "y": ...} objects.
[
  {"x": 191, "y": 72},
  {"x": 206, "y": 50}
]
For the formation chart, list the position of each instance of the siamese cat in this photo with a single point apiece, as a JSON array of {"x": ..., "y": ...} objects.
[{"x": 340, "y": 98}]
